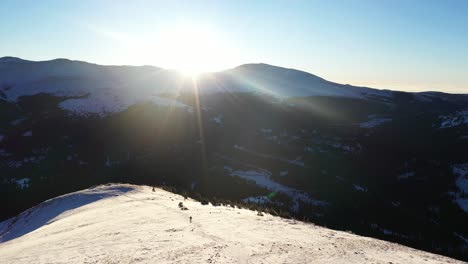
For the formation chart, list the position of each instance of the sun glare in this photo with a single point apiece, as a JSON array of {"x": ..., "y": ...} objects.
[{"x": 193, "y": 49}]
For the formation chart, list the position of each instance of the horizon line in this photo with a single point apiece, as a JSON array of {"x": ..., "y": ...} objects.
[{"x": 227, "y": 69}]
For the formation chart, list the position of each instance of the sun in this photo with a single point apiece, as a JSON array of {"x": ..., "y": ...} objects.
[{"x": 193, "y": 50}]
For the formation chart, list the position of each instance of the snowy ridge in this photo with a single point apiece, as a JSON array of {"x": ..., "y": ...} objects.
[{"x": 133, "y": 224}]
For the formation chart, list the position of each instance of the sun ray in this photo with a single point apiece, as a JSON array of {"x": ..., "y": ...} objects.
[{"x": 198, "y": 113}]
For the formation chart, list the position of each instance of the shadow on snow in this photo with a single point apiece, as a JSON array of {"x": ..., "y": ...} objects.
[{"x": 46, "y": 212}]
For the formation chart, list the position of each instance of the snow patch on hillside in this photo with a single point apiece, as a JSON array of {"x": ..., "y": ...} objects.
[
  {"x": 257, "y": 200},
  {"x": 27, "y": 134},
  {"x": 406, "y": 175},
  {"x": 13, "y": 163},
  {"x": 452, "y": 120},
  {"x": 17, "y": 121},
  {"x": 133, "y": 224},
  {"x": 374, "y": 121},
  {"x": 461, "y": 237},
  {"x": 23, "y": 183},
  {"x": 461, "y": 197},
  {"x": 218, "y": 119},
  {"x": 263, "y": 179},
  {"x": 106, "y": 104},
  {"x": 359, "y": 188}
]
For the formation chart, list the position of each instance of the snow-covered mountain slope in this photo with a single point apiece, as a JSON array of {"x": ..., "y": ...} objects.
[
  {"x": 99, "y": 89},
  {"x": 104, "y": 89},
  {"x": 133, "y": 224},
  {"x": 294, "y": 83}
]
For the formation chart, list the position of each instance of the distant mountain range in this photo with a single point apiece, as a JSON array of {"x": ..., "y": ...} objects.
[
  {"x": 115, "y": 88},
  {"x": 381, "y": 163}
]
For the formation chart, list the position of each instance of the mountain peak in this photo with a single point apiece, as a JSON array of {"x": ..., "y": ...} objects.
[
  {"x": 277, "y": 74},
  {"x": 9, "y": 59},
  {"x": 272, "y": 68}
]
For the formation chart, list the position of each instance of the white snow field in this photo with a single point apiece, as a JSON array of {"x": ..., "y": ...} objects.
[{"x": 118, "y": 223}]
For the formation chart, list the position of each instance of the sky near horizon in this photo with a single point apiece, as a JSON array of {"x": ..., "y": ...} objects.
[{"x": 416, "y": 45}]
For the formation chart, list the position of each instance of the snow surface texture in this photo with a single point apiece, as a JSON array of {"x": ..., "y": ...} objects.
[
  {"x": 133, "y": 224},
  {"x": 96, "y": 89}
]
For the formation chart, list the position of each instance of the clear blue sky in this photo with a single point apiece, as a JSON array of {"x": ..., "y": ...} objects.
[{"x": 396, "y": 44}]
